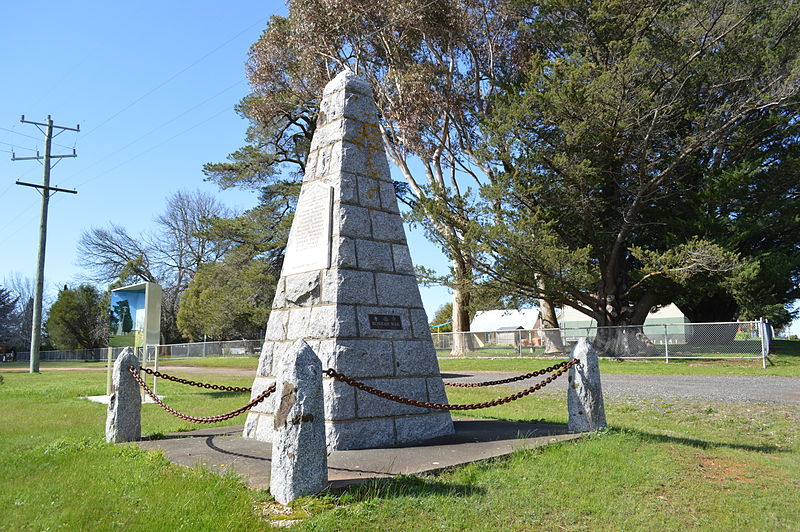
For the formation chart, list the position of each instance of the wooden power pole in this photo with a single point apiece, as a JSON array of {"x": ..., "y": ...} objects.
[{"x": 45, "y": 190}]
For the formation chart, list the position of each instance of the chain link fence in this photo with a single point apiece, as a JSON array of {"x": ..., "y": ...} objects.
[
  {"x": 228, "y": 348},
  {"x": 96, "y": 354},
  {"x": 231, "y": 348},
  {"x": 736, "y": 340},
  {"x": 674, "y": 341}
]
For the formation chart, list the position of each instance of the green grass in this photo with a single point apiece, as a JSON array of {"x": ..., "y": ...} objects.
[
  {"x": 661, "y": 465},
  {"x": 213, "y": 362},
  {"x": 124, "y": 340},
  {"x": 785, "y": 362}
]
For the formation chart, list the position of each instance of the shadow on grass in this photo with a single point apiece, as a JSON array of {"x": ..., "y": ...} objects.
[
  {"x": 700, "y": 444},
  {"x": 402, "y": 486},
  {"x": 789, "y": 348}
]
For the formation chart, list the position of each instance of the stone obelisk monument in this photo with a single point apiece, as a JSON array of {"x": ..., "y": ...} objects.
[{"x": 348, "y": 288}]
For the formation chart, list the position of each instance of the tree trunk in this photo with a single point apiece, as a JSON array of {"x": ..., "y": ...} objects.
[
  {"x": 550, "y": 333},
  {"x": 719, "y": 307},
  {"x": 462, "y": 339},
  {"x": 620, "y": 326}
]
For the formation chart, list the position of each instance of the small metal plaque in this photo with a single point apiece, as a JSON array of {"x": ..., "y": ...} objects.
[{"x": 389, "y": 322}]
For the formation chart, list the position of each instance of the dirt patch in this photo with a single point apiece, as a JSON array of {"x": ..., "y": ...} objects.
[{"x": 721, "y": 470}]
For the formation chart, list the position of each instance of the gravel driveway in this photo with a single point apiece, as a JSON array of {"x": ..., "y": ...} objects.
[{"x": 703, "y": 388}]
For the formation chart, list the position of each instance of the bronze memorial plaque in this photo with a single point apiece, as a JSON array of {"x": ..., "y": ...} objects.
[{"x": 389, "y": 322}]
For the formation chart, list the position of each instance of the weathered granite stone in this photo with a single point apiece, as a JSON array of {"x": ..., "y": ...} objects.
[
  {"x": 334, "y": 131},
  {"x": 368, "y": 405},
  {"x": 279, "y": 301},
  {"x": 369, "y": 192},
  {"x": 360, "y": 433},
  {"x": 343, "y": 254},
  {"x": 267, "y": 406},
  {"x": 348, "y": 105},
  {"x": 332, "y": 321},
  {"x": 353, "y": 221},
  {"x": 584, "y": 393},
  {"x": 349, "y": 82},
  {"x": 299, "y": 453},
  {"x": 123, "y": 421},
  {"x": 345, "y": 189},
  {"x": 340, "y": 400},
  {"x": 398, "y": 290},
  {"x": 299, "y": 319},
  {"x": 350, "y": 290},
  {"x": 415, "y": 357},
  {"x": 419, "y": 324},
  {"x": 348, "y": 286},
  {"x": 265, "y": 359},
  {"x": 276, "y": 326},
  {"x": 436, "y": 391},
  {"x": 388, "y": 226},
  {"x": 409, "y": 428},
  {"x": 376, "y": 256},
  {"x": 302, "y": 289},
  {"x": 402, "y": 259},
  {"x": 358, "y": 357},
  {"x": 389, "y": 198}
]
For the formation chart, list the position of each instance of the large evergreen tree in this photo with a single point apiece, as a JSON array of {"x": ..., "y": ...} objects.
[
  {"x": 9, "y": 318},
  {"x": 77, "y": 318},
  {"x": 232, "y": 298},
  {"x": 433, "y": 67},
  {"x": 636, "y": 153}
]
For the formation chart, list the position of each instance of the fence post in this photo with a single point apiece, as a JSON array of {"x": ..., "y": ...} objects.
[
  {"x": 124, "y": 417},
  {"x": 762, "y": 332},
  {"x": 155, "y": 367},
  {"x": 110, "y": 365},
  {"x": 299, "y": 454},
  {"x": 584, "y": 393},
  {"x": 666, "y": 345}
]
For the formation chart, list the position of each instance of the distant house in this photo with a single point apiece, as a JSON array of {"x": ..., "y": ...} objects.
[
  {"x": 669, "y": 316},
  {"x": 495, "y": 320},
  {"x": 506, "y": 327}
]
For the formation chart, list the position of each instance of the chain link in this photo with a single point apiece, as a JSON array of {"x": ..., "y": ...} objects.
[
  {"x": 211, "y": 419},
  {"x": 562, "y": 368},
  {"x": 205, "y": 385},
  {"x": 440, "y": 406},
  {"x": 506, "y": 381}
]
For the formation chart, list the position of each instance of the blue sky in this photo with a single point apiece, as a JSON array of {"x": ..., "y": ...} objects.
[{"x": 153, "y": 86}]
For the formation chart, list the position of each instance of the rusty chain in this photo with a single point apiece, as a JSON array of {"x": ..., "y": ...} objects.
[
  {"x": 440, "y": 406},
  {"x": 205, "y": 385},
  {"x": 211, "y": 419},
  {"x": 506, "y": 381}
]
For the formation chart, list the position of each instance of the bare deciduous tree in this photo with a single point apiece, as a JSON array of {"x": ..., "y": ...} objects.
[{"x": 169, "y": 256}]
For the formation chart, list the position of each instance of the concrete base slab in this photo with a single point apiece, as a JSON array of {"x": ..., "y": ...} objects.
[
  {"x": 223, "y": 449},
  {"x": 104, "y": 399}
]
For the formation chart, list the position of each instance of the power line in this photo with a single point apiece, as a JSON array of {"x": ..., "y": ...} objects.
[
  {"x": 16, "y": 146},
  {"x": 151, "y": 91},
  {"x": 148, "y": 150},
  {"x": 34, "y": 138},
  {"x": 17, "y": 218},
  {"x": 157, "y": 128},
  {"x": 45, "y": 190}
]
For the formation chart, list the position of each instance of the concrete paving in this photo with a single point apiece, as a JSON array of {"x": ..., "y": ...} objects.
[
  {"x": 704, "y": 388},
  {"x": 474, "y": 440}
]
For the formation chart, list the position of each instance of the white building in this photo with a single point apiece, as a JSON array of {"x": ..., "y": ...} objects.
[{"x": 505, "y": 325}]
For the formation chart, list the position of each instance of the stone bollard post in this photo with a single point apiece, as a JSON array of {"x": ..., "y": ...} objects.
[
  {"x": 299, "y": 454},
  {"x": 584, "y": 393},
  {"x": 124, "y": 419}
]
